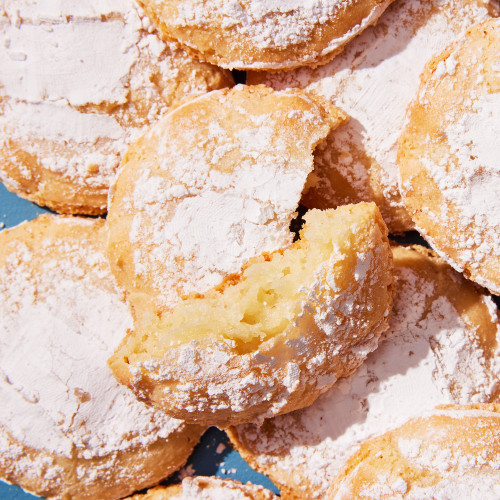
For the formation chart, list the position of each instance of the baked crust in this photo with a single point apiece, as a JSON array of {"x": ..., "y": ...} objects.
[
  {"x": 357, "y": 162},
  {"x": 240, "y": 369},
  {"x": 448, "y": 155},
  {"x": 453, "y": 452},
  {"x": 258, "y": 35},
  {"x": 67, "y": 429},
  {"x": 207, "y": 488},
  {"x": 68, "y": 114}
]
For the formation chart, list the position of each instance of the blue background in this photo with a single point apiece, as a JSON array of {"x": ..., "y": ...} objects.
[{"x": 205, "y": 460}]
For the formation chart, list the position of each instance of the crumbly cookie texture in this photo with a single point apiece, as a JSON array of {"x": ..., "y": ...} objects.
[
  {"x": 357, "y": 162},
  {"x": 67, "y": 428},
  {"x": 215, "y": 183},
  {"x": 453, "y": 452},
  {"x": 448, "y": 155},
  {"x": 442, "y": 346},
  {"x": 207, "y": 488},
  {"x": 272, "y": 338},
  {"x": 263, "y": 34},
  {"x": 79, "y": 82}
]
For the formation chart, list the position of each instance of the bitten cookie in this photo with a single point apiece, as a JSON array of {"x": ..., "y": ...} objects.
[
  {"x": 67, "y": 428},
  {"x": 374, "y": 80},
  {"x": 271, "y": 338},
  {"x": 451, "y": 453},
  {"x": 79, "y": 81},
  {"x": 258, "y": 34},
  {"x": 207, "y": 488},
  {"x": 442, "y": 347},
  {"x": 449, "y": 155},
  {"x": 213, "y": 184}
]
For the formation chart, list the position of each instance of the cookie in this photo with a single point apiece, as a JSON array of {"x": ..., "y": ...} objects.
[
  {"x": 207, "y": 488},
  {"x": 256, "y": 34},
  {"x": 374, "y": 80},
  {"x": 453, "y": 452},
  {"x": 273, "y": 337},
  {"x": 79, "y": 82},
  {"x": 442, "y": 347},
  {"x": 448, "y": 155},
  {"x": 212, "y": 185},
  {"x": 67, "y": 428}
]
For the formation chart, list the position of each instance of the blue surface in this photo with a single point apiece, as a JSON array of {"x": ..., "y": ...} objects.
[{"x": 212, "y": 456}]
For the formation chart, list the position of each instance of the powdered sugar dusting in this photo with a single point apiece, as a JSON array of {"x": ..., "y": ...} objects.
[
  {"x": 60, "y": 319},
  {"x": 374, "y": 80},
  {"x": 274, "y": 24},
  {"x": 429, "y": 357},
  {"x": 73, "y": 74},
  {"x": 214, "y": 488},
  {"x": 473, "y": 143},
  {"x": 218, "y": 195}
]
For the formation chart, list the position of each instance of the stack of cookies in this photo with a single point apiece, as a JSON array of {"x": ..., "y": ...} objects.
[{"x": 248, "y": 268}]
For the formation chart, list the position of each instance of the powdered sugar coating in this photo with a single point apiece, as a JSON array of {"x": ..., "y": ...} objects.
[
  {"x": 432, "y": 354},
  {"x": 447, "y": 453},
  {"x": 374, "y": 80},
  {"x": 79, "y": 82},
  {"x": 222, "y": 189},
  {"x": 270, "y": 34},
  {"x": 60, "y": 318},
  {"x": 215, "y": 371},
  {"x": 449, "y": 155}
]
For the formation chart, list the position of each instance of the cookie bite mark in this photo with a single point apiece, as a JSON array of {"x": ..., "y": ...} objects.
[
  {"x": 275, "y": 338},
  {"x": 212, "y": 185}
]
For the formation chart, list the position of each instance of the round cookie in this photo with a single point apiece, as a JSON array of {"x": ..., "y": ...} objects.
[
  {"x": 271, "y": 338},
  {"x": 442, "y": 347},
  {"x": 216, "y": 182},
  {"x": 207, "y": 488},
  {"x": 452, "y": 452},
  {"x": 79, "y": 82},
  {"x": 258, "y": 34},
  {"x": 448, "y": 155},
  {"x": 357, "y": 162},
  {"x": 67, "y": 428}
]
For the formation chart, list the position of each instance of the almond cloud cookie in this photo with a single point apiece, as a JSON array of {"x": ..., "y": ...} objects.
[
  {"x": 67, "y": 428},
  {"x": 448, "y": 155},
  {"x": 271, "y": 338},
  {"x": 452, "y": 452},
  {"x": 79, "y": 82},
  {"x": 258, "y": 34},
  {"x": 374, "y": 80},
  {"x": 442, "y": 346},
  {"x": 215, "y": 183},
  {"x": 207, "y": 488}
]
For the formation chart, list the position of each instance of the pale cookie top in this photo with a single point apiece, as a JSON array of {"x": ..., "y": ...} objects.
[
  {"x": 441, "y": 347},
  {"x": 264, "y": 34},
  {"x": 60, "y": 319},
  {"x": 213, "y": 184},
  {"x": 449, "y": 155},
  {"x": 452, "y": 452},
  {"x": 207, "y": 488},
  {"x": 373, "y": 80},
  {"x": 79, "y": 80}
]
